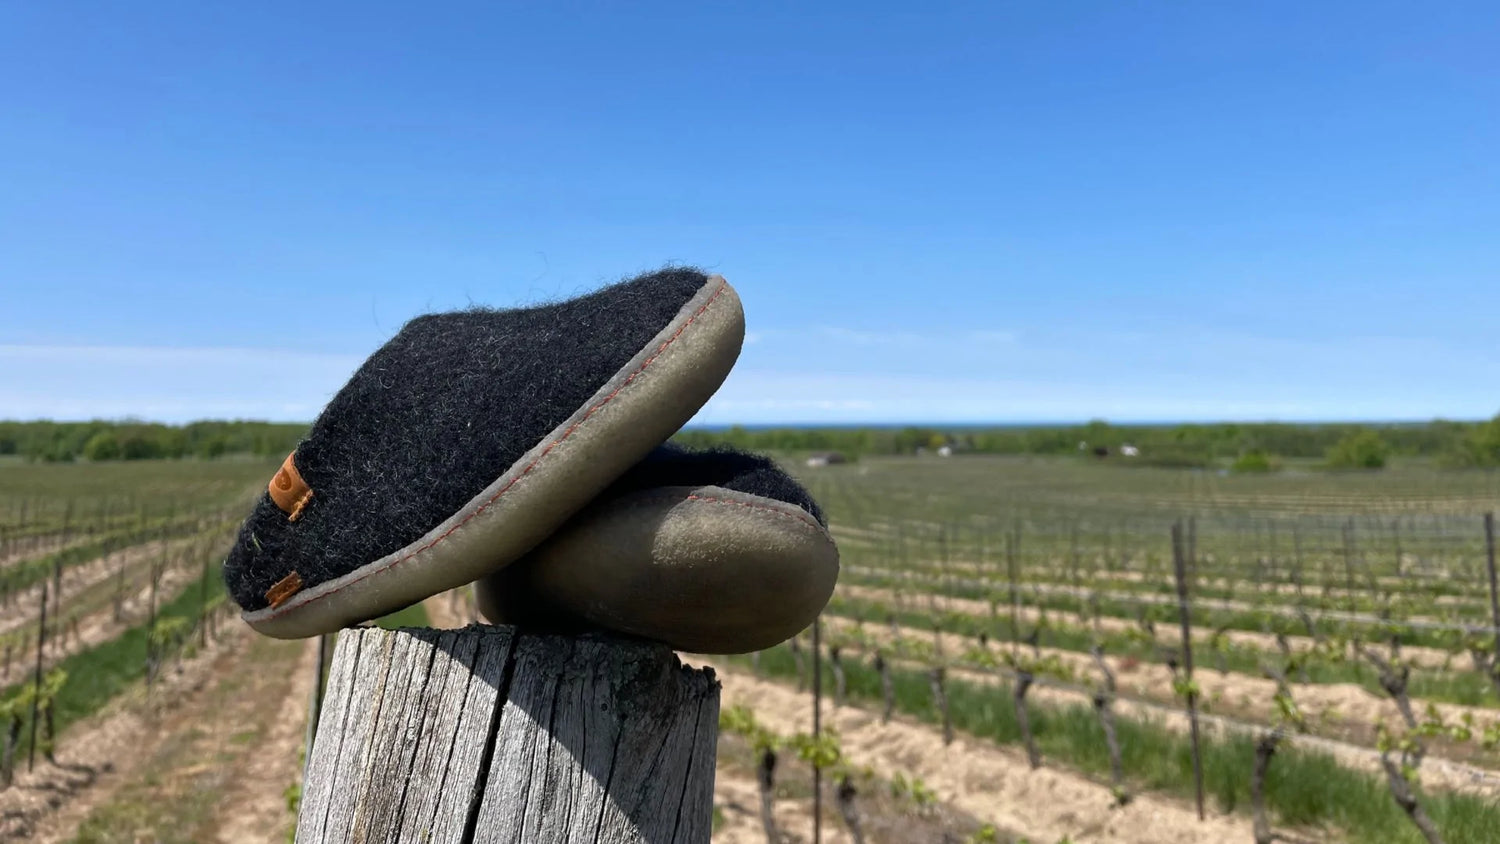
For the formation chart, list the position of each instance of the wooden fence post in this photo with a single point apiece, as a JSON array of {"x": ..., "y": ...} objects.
[{"x": 486, "y": 734}]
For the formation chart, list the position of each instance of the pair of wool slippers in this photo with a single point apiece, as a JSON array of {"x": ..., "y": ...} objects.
[{"x": 523, "y": 451}]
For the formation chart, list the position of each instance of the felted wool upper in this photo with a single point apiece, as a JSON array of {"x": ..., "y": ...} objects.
[
  {"x": 434, "y": 416},
  {"x": 726, "y": 468}
]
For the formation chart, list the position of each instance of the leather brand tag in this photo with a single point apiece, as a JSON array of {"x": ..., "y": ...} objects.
[
  {"x": 284, "y": 589},
  {"x": 288, "y": 490}
]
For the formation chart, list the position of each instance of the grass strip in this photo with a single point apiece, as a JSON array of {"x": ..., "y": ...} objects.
[
  {"x": 1466, "y": 688},
  {"x": 1304, "y": 788},
  {"x": 26, "y": 573},
  {"x": 413, "y": 616},
  {"x": 1268, "y": 620},
  {"x": 97, "y": 675}
]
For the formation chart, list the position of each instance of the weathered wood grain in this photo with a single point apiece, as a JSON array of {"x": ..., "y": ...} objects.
[{"x": 486, "y": 734}]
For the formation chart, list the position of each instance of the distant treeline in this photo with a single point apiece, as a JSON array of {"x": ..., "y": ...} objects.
[
  {"x": 1251, "y": 447},
  {"x": 1248, "y": 447},
  {"x": 130, "y": 440}
]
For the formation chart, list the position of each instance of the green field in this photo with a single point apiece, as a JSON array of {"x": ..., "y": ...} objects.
[
  {"x": 999, "y": 565},
  {"x": 989, "y": 567}
]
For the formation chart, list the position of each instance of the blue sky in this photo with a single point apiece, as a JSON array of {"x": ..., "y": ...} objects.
[{"x": 989, "y": 212}]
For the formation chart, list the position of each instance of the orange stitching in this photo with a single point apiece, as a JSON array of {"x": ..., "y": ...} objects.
[
  {"x": 794, "y": 516},
  {"x": 524, "y": 472},
  {"x": 287, "y": 482},
  {"x": 297, "y": 508}
]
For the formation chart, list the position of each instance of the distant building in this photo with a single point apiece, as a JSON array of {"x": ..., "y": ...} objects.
[{"x": 826, "y": 458}]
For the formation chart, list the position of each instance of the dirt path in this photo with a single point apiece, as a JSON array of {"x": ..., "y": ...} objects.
[
  {"x": 254, "y": 805},
  {"x": 737, "y": 799},
  {"x": 1057, "y": 571},
  {"x": 222, "y": 757},
  {"x": 884, "y": 815},
  {"x": 448, "y": 610},
  {"x": 40, "y": 546},
  {"x": 1137, "y": 681},
  {"x": 1154, "y": 600},
  {"x": 977, "y": 777},
  {"x": 100, "y": 754},
  {"x": 88, "y": 586},
  {"x": 99, "y": 624},
  {"x": 1430, "y": 658}
]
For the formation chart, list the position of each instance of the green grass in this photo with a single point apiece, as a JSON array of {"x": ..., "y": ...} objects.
[
  {"x": 177, "y": 792},
  {"x": 413, "y": 616},
  {"x": 29, "y": 572},
  {"x": 134, "y": 813},
  {"x": 38, "y": 498},
  {"x": 1303, "y": 788},
  {"x": 97, "y": 675},
  {"x": 1467, "y": 688},
  {"x": 1037, "y": 489},
  {"x": 1271, "y": 619}
]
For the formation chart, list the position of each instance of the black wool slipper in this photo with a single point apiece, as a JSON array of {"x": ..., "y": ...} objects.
[
  {"x": 709, "y": 552},
  {"x": 468, "y": 438}
]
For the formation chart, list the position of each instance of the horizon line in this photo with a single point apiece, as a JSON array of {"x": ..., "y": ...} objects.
[{"x": 1054, "y": 423}]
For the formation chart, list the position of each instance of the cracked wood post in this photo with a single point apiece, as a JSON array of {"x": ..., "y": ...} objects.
[{"x": 487, "y": 734}]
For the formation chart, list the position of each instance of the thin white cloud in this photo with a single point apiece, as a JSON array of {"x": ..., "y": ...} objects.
[
  {"x": 841, "y": 376},
  {"x": 167, "y": 383}
]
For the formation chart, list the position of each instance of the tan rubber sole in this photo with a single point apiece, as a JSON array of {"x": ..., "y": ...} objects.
[{"x": 643, "y": 404}]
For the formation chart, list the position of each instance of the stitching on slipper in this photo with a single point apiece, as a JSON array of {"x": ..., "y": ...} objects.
[
  {"x": 299, "y": 506},
  {"x": 524, "y": 472}
]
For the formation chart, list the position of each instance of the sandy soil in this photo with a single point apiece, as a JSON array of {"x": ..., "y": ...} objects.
[
  {"x": 99, "y": 625},
  {"x": 1143, "y": 599},
  {"x": 254, "y": 806},
  {"x": 1321, "y": 562},
  {"x": 1145, "y": 692},
  {"x": 1056, "y": 572},
  {"x": 97, "y": 755},
  {"x": 449, "y": 610},
  {"x": 884, "y": 816},
  {"x": 86, "y": 580},
  {"x": 738, "y": 799},
  {"x": 977, "y": 777},
  {"x": 1165, "y": 633},
  {"x": 39, "y": 546},
  {"x": 219, "y": 744}
]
